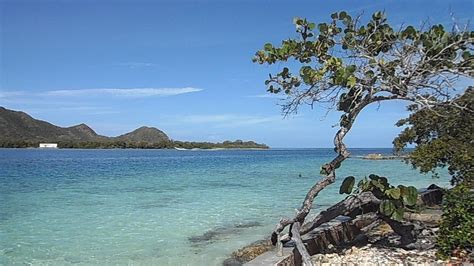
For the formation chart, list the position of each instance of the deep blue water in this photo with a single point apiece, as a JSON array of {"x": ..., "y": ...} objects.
[{"x": 161, "y": 207}]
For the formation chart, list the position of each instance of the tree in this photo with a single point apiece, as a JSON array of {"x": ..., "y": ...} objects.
[
  {"x": 347, "y": 65},
  {"x": 443, "y": 136}
]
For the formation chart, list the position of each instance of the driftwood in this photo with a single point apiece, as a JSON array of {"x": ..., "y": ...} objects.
[
  {"x": 414, "y": 72},
  {"x": 351, "y": 206},
  {"x": 329, "y": 169},
  {"x": 362, "y": 215},
  {"x": 338, "y": 233},
  {"x": 305, "y": 257},
  {"x": 359, "y": 217}
]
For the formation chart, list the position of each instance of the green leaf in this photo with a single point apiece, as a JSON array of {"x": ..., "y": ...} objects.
[
  {"x": 323, "y": 171},
  {"x": 397, "y": 215},
  {"x": 410, "y": 195},
  {"x": 311, "y": 26},
  {"x": 394, "y": 193},
  {"x": 323, "y": 27},
  {"x": 374, "y": 177},
  {"x": 384, "y": 181},
  {"x": 268, "y": 46},
  {"x": 297, "y": 21},
  {"x": 466, "y": 55},
  {"x": 351, "y": 81},
  {"x": 387, "y": 207},
  {"x": 377, "y": 15},
  {"x": 342, "y": 15},
  {"x": 351, "y": 68},
  {"x": 377, "y": 184},
  {"x": 362, "y": 185},
  {"x": 347, "y": 185}
]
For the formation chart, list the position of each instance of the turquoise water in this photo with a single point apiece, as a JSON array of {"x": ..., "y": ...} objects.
[{"x": 160, "y": 207}]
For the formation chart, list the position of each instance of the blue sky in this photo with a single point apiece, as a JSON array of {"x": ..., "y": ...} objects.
[{"x": 182, "y": 66}]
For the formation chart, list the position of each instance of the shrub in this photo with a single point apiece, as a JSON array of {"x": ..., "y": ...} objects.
[{"x": 457, "y": 225}]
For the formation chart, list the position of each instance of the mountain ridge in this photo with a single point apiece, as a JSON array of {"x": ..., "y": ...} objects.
[
  {"x": 20, "y": 126},
  {"x": 19, "y": 129}
]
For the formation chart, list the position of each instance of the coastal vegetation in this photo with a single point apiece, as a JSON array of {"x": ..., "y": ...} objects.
[
  {"x": 188, "y": 145},
  {"x": 19, "y": 130},
  {"x": 348, "y": 64},
  {"x": 444, "y": 138}
]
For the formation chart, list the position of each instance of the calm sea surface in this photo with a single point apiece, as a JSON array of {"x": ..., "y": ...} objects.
[{"x": 160, "y": 207}]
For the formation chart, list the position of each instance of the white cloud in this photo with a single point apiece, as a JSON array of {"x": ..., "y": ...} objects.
[
  {"x": 126, "y": 92},
  {"x": 9, "y": 94}
]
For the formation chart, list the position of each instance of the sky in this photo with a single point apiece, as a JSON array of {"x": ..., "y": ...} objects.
[{"x": 182, "y": 66}]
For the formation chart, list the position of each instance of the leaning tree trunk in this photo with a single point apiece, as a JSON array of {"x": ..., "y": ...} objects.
[{"x": 330, "y": 170}]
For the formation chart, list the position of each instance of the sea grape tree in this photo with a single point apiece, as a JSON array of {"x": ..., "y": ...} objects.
[
  {"x": 443, "y": 137},
  {"x": 346, "y": 65}
]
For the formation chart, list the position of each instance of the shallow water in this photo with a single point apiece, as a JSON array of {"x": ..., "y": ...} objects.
[{"x": 161, "y": 207}]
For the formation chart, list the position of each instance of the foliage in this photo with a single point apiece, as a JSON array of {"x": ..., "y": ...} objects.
[
  {"x": 394, "y": 199},
  {"x": 457, "y": 226},
  {"x": 347, "y": 185},
  {"x": 119, "y": 144},
  {"x": 348, "y": 65},
  {"x": 443, "y": 136},
  {"x": 238, "y": 144}
]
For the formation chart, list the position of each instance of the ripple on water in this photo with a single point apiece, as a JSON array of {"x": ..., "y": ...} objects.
[{"x": 157, "y": 207}]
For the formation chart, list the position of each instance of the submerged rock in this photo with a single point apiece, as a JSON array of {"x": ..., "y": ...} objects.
[
  {"x": 232, "y": 262},
  {"x": 218, "y": 232},
  {"x": 250, "y": 252}
]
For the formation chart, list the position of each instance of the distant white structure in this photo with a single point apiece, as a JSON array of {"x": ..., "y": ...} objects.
[{"x": 48, "y": 145}]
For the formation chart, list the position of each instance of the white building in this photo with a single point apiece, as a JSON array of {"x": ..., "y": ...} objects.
[{"x": 48, "y": 145}]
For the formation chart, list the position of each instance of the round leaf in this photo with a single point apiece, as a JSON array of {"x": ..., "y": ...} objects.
[
  {"x": 410, "y": 195},
  {"x": 398, "y": 214},
  {"x": 373, "y": 177},
  {"x": 394, "y": 193},
  {"x": 387, "y": 207},
  {"x": 347, "y": 185}
]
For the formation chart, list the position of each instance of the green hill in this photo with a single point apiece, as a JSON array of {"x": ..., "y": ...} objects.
[{"x": 18, "y": 130}]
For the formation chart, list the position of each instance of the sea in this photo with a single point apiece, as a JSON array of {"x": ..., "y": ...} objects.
[{"x": 162, "y": 207}]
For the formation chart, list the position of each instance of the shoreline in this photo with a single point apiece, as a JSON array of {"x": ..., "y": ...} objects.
[
  {"x": 335, "y": 244},
  {"x": 161, "y": 149}
]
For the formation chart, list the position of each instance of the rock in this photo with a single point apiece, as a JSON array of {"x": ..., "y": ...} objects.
[
  {"x": 425, "y": 232},
  {"x": 378, "y": 256},
  {"x": 317, "y": 257},
  {"x": 384, "y": 249},
  {"x": 354, "y": 250},
  {"x": 232, "y": 262},
  {"x": 251, "y": 251},
  {"x": 431, "y": 197},
  {"x": 433, "y": 186}
]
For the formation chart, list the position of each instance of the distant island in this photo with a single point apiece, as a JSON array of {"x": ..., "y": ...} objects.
[{"x": 20, "y": 130}]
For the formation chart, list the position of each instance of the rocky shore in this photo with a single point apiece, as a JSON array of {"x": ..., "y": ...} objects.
[
  {"x": 381, "y": 247},
  {"x": 378, "y": 156},
  {"x": 369, "y": 255},
  {"x": 378, "y": 246}
]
